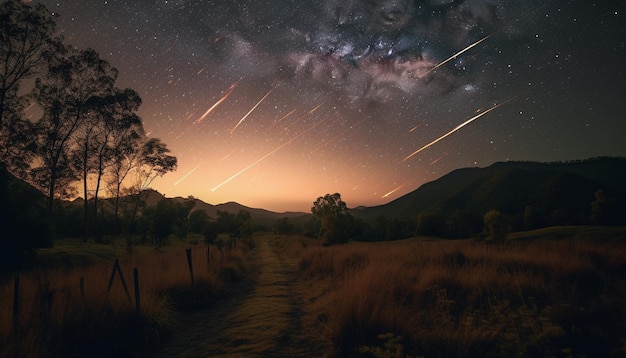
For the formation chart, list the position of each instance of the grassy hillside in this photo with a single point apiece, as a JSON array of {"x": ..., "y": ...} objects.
[{"x": 558, "y": 194}]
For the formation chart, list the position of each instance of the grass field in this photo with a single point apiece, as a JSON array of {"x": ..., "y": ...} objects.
[
  {"x": 557, "y": 292},
  {"x": 66, "y": 307}
]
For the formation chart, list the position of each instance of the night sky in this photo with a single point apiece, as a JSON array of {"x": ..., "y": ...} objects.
[{"x": 272, "y": 103}]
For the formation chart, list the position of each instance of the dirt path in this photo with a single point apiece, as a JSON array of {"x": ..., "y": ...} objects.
[{"x": 264, "y": 319}]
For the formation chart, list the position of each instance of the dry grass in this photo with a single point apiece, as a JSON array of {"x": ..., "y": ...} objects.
[
  {"x": 462, "y": 298},
  {"x": 58, "y": 318}
]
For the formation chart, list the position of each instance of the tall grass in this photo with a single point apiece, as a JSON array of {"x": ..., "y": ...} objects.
[
  {"x": 59, "y": 317},
  {"x": 463, "y": 298}
]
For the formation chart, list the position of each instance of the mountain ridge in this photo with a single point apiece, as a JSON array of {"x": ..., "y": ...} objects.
[
  {"x": 556, "y": 188},
  {"x": 510, "y": 187}
]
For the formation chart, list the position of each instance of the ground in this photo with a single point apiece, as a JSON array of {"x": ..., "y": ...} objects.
[{"x": 265, "y": 318}]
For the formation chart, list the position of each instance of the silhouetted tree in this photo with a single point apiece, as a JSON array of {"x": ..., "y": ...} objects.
[
  {"x": 164, "y": 216},
  {"x": 532, "y": 218},
  {"x": 244, "y": 223},
  {"x": 120, "y": 129},
  {"x": 495, "y": 226},
  {"x": 210, "y": 232},
  {"x": 92, "y": 80},
  {"x": 336, "y": 222},
  {"x": 284, "y": 226},
  {"x": 66, "y": 94},
  {"x": 226, "y": 221},
  {"x": 183, "y": 208},
  {"x": 429, "y": 224},
  {"x": 198, "y": 220},
  {"x": 153, "y": 162},
  {"x": 458, "y": 224},
  {"x": 27, "y": 37},
  {"x": 22, "y": 219},
  {"x": 126, "y": 158},
  {"x": 604, "y": 209}
]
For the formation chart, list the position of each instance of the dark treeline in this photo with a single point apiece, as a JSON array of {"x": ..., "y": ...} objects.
[
  {"x": 488, "y": 208},
  {"x": 67, "y": 130}
]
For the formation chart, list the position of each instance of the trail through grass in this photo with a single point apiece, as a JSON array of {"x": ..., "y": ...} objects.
[{"x": 262, "y": 319}]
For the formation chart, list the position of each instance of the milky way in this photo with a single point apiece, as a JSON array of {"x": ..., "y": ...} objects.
[{"x": 273, "y": 103}]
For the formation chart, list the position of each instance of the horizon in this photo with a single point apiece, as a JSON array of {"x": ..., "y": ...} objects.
[
  {"x": 273, "y": 106},
  {"x": 306, "y": 207}
]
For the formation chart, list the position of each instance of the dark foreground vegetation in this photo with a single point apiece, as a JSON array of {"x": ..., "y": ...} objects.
[
  {"x": 556, "y": 292},
  {"x": 78, "y": 304}
]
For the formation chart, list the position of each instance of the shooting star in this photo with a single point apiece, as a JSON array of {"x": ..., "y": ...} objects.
[
  {"x": 458, "y": 53},
  {"x": 252, "y": 110},
  {"x": 302, "y": 117},
  {"x": 457, "y": 128},
  {"x": 315, "y": 109},
  {"x": 437, "y": 160},
  {"x": 393, "y": 191},
  {"x": 224, "y": 97},
  {"x": 186, "y": 119},
  {"x": 188, "y": 173},
  {"x": 285, "y": 116},
  {"x": 265, "y": 156}
]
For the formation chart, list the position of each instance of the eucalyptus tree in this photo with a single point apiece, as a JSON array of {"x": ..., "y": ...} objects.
[
  {"x": 126, "y": 157},
  {"x": 336, "y": 221},
  {"x": 27, "y": 39},
  {"x": 118, "y": 136},
  {"x": 67, "y": 94},
  {"x": 154, "y": 161},
  {"x": 27, "y": 36}
]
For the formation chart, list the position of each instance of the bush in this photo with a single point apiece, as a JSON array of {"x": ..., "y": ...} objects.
[{"x": 22, "y": 219}]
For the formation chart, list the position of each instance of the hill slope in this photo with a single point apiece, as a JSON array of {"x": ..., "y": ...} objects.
[{"x": 564, "y": 188}]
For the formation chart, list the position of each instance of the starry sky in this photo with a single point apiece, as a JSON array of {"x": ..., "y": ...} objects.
[{"x": 272, "y": 103}]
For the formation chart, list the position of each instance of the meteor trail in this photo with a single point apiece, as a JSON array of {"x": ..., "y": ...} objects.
[
  {"x": 315, "y": 109},
  {"x": 186, "y": 119},
  {"x": 391, "y": 192},
  {"x": 189, "y": 173},
  {"x": 302, "y": 117},
  {"x": 285, "y": 116},
  {"x": 265, "y": 156},
  {"x": 457, "y": 128},
  {"x": 252, "y": 110},
  {"x": 456, "y": 54},
  {"x": 228, "y": 92}
]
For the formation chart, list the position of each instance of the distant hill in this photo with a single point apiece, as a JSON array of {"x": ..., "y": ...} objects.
[
  {"x": 259, "y": 216},
  {"x": 561, "y": 192},
  {"x": 563, "y": 189},
  {"x": 558, "y": 193}
]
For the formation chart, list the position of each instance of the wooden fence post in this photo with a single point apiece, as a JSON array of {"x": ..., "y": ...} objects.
[
  {"x": 118, "y": 269},
  {"x": 16, "y": 303},
  {"x": 189, "y": 263},
  {"x": 137, "y": 301},
  {"x": 82, "y": 289}
]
